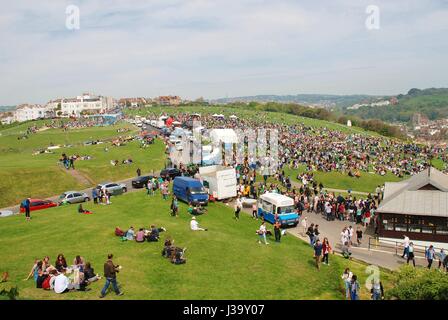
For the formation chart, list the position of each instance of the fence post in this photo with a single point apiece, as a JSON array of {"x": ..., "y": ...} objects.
[
  {"x": 396, "y": 248},
  {"x": 369, "y": 242}
]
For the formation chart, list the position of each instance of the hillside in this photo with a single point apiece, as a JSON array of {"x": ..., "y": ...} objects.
[
  {"x": 322, "y": 100},
  {"x": 432, "y": 102}
]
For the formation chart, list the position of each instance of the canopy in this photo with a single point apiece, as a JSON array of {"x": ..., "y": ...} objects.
[
  {"x": 223, "y": 135},
  {"x": 195, "y": 115},
  {"x": 221, "y": 115},
  {"x": 233, "y": 116},
  {"x": 215, "y": 115}
]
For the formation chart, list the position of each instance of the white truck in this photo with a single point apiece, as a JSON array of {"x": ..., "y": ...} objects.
[{"x": 221, "y": 181}]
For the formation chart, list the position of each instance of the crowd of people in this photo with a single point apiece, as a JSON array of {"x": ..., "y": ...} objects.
[
  {"x": 62, "y": 277},
  {"x": 151, "y": 235}
]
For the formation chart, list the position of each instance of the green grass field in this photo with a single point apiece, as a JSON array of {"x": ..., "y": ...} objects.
[
  {"x": 274, "y": 117},
  {"x": 336, "y": 180},
  {"x": 23, "y": 174},
  {"x": 225, "y": 262}
]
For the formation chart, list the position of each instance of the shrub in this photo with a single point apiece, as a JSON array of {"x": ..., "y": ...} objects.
[{"x": 419, "y": 284}]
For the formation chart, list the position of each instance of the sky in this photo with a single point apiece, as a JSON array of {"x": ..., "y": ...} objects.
[{"x": 220, "y": 48}]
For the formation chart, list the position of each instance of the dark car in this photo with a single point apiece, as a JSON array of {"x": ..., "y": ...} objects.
[
  {"x": 141, "y": 182},
  {"x": 170, "y": 173}
]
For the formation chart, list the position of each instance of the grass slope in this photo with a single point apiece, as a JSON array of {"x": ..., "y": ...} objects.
[
  {"x": 336, "y": 180},
  {"x": 224, "y": 263},
  {"x": 23, "y": 174}
]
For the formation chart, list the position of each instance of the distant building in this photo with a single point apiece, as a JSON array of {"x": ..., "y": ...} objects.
[
  {"x": 86, "y": 103},
  {"x": 417, "y": 208},
  {"x": 168, "y": 100},
  {"x": 133, "y": 102},
  {"x": 349, "y": 123},
  {"x": 25, "y": 112}
]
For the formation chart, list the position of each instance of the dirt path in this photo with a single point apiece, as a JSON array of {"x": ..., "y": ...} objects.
[{"x": 80, "y": 177}]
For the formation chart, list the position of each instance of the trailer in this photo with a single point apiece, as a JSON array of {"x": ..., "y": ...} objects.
[{"x": 220, "y": 180}]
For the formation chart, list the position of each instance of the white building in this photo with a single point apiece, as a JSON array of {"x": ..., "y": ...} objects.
[
  {"x": 25, "y": 112},
  {"x": 86, "y": 102}
]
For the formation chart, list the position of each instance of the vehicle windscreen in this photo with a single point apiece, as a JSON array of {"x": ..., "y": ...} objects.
[
  {"x": 197, "y": 190},
  {"x": 286, "y": 210}
]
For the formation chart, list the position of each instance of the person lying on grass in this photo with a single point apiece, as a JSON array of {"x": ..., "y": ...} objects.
[{"x": 194, "y": 225}]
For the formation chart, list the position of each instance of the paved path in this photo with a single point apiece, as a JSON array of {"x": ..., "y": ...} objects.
[{"x": 380, "y": 256}]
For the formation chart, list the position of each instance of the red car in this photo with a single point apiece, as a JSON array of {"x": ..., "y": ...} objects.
[{"x": 38, "y": 204}]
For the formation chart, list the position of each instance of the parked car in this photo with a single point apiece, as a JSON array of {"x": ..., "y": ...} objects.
[
  {"x": 141, "y": 182},
  {"x": 38, "y": 204},
  {"x": 113, "y": 188},
  {"x": 170, "y": 173},
  {"x": 73, "y": 197}
]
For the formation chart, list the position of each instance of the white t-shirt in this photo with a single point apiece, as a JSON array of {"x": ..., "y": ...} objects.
[
  {"x": 406, "y": 242},
  {"x": 194, "y": 225},
  {"x": 61, "y": 283},
  {"x": 263, "y": 228}
]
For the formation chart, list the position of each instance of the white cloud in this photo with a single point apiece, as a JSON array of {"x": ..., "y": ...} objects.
[{"x": 214, "y": 48}]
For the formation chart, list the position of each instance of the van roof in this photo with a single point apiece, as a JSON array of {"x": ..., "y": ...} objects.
[
  {"x": 277, "y": 199},
  {"x": 187, "y": 179}
]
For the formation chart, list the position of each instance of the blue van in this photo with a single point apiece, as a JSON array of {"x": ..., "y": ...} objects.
[
  {"x": 270, "y": 204},
  {"x": 190, "y": 190}
]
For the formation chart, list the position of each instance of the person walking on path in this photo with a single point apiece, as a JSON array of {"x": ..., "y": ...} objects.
[
  {"x": 110, "y": 273},
  {"x": 318, "y": 253},
  {"x": 238, "y": 206},
  {"x": 26, "y": 205},
  {"x": 139, "y": 172},
  {"x": 254, "y": 211},
  {"x": 354, "y": 288},
  {"x": 326, "y": 249},
  {"x": 262, "y": 233},
  {"x": 310, "y": 234},
  {"x": 406, "y": 246},
  {"x": 441, "y": 256},
  {"x": 358, "y": 236},
  {"x": 411, "y": 254},
  {"x": 72, "y": 163},
  {"x": 430, "y": 254},
  {"x": 377, "y": 290},
  {"x": 316, "y": 233},
  {"x": 347, "y": 278},
  {"x": 304, "y": 224},
  {"x": 277, "y": 230}
]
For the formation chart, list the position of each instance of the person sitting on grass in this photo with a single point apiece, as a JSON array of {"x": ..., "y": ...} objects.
[
  {"x": 81, "y": 210},
  {"x": 35, "y": 270},
  {"x": 79, "y": 262},
  {"x": 62, "y": 283},
  {"x": 119, "y": 232},
  {"x": 169, "y": 249},
  {"x": 178, "y": 257},
  {"x": 154, "y": 233},
  {"x": 89, "y": 274},
  {"x": 194, "y": 225},
  {"x": 130, "y": 234},
  {"x": 140, "y": 237},
  {"x": 60, "y": 263}
]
